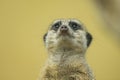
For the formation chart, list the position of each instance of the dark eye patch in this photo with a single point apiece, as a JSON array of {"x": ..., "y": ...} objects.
[
  {"x": 75, "y": 26},
  {"x": 56, "y": 26}
]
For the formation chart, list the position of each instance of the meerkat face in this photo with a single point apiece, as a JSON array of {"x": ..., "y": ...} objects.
[{"x": 67, "y": 35}]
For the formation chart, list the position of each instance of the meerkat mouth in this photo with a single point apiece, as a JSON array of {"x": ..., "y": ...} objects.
[{"x": 65, "y": 36}]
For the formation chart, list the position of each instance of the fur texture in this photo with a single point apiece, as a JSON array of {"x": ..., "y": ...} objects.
[{"x": 67, "y": 42}]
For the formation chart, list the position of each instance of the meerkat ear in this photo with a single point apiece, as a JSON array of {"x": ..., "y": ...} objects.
[
  {"x": 44, "y": 37},
  {"x": 89, "y": 39}
]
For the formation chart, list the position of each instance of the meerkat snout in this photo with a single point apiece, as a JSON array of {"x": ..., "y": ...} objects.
[{"x": 64, "y": 29}]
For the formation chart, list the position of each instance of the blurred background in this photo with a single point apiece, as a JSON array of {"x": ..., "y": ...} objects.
[{"x": 23, "y": 24}]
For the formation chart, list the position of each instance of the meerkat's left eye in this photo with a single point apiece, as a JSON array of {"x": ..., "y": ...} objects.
[
  {"x": 56, "y": 26},
  {"x": 74, "y": 25}
]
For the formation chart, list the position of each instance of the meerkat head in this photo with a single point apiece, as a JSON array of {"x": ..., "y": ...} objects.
[{"x": 68, "y": 34}]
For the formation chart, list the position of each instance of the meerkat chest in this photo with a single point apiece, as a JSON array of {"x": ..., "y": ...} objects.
[
  {"x": 63, "y": 67},
  {"x": 67, "y": 72}
]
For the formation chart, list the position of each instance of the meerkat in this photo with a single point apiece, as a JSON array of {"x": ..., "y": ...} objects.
[{"x": 67, "y": 41}]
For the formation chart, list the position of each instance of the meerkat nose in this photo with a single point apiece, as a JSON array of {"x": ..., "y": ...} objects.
[{"x": 64, "y": 28}]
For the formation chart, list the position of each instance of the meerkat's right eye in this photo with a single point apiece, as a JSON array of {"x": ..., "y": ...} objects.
[{"x": 56, "y": 26}]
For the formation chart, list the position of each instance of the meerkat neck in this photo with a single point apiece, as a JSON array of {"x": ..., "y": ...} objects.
[{"x": 67, "y": 57}]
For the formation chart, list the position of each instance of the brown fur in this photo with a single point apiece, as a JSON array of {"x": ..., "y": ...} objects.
[{"x": 67, "y": 72}]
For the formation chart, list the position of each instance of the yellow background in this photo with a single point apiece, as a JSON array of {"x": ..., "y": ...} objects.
[{"x": 23, "y": 24}]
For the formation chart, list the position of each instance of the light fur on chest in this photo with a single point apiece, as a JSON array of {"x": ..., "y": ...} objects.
[{"x": 66, "y": 66}]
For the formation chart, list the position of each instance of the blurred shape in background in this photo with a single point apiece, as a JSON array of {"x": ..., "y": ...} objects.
[{"x": 110, "y": 10}]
